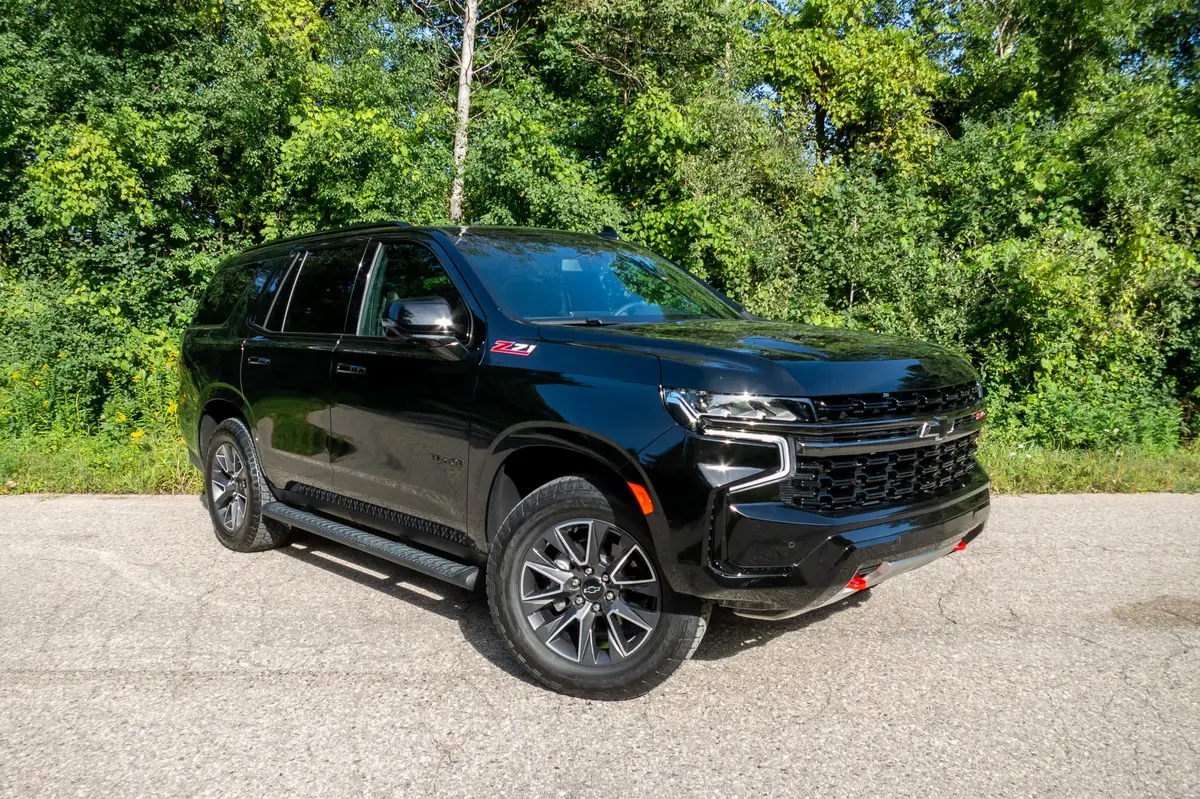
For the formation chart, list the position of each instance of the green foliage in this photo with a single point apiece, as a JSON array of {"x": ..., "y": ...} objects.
[
  {"x": 846, "y": 81},
  {"x": 1018, "y": 180},
  {"x": 524, "y": 170}
]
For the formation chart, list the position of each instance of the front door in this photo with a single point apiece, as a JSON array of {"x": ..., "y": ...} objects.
[
  {"x": 400, "y": 411},
  {"x": 286, "y": 365}
]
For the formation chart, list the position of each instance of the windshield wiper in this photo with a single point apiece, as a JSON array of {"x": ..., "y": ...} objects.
[{"x": 590, "y": 322}]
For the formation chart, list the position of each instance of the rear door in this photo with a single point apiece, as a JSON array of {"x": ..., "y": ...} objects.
[
  {"x": 286, "y": 363},
  {"x": 401, "y": 411}
]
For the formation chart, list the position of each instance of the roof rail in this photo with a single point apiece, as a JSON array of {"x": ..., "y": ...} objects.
[{"x": 318, "y": 233}]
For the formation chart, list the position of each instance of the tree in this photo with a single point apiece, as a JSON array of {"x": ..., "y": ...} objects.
[
  {"x": 845, "y": 80},
  {"x": 468, "y": 29}
]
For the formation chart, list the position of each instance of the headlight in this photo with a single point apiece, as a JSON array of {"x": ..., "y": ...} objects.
[
  {"x": 690, "y": 407},
  {"x": 737, "y": 458}
]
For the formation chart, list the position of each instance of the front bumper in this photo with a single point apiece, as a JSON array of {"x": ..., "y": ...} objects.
[
  {"x": 770, "y": 559},
  {"x": 867, "y": 577}
]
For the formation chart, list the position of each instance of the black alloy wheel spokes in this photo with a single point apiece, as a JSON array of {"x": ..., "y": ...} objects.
[
  {"x": 228, "y": 479},
  {"x": 589, "y": 592}
]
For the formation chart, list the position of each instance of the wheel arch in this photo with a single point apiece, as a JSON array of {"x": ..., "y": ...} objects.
[
  {"x": 223, "y": 403},
  {"x": 525, "y": 459}
]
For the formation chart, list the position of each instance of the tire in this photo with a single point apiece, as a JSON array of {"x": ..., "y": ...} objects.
[
  {"x": 541, "y": 610},
  {"x": 237, "y": 516}
]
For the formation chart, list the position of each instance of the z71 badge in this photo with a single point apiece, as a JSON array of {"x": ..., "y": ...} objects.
[{"x": 513, "y": 348}]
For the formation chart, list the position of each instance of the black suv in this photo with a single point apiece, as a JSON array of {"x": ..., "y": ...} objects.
[{"x": 615, "y": 442}]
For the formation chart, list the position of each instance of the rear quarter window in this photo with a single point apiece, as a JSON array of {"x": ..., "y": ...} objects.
[{"x": 223, "y": 294}]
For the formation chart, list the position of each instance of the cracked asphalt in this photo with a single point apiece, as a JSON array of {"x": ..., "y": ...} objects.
[{"x": 1057, "y": 656}]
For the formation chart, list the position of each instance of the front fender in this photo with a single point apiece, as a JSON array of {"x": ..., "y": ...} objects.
[{"x": 605, "y": 451}]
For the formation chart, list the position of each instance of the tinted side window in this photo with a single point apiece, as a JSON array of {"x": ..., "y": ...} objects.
[
  {"x": 406, "y": 270},
  {"x": 270, "y": 277},
  {"x": 224, "y": 291},
  {"x": 321, "y": 296}
]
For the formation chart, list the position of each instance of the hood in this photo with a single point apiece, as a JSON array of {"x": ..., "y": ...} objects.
[{"x": 778, "y": 358}]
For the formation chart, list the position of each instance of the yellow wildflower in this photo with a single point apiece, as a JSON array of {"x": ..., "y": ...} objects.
[
  {"x": 16, "y": 375},
  {"x": 172, "y": 407},
  {"x": 120, "y": 417},
  {"x": 137, "y": 377},
  {"x": 37, "y": 382},
  {"x": 62, "y": 355},
  {"x": 45, "y": 403},
  {"x": 136, "y": 434}
]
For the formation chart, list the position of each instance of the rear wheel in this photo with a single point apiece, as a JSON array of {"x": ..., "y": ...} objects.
[
  {"x": 235, "y": 491},
  {"x": 575, "y": 591}
]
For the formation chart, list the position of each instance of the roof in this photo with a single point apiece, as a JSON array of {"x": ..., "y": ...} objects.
[
  {"x": 320, "y": 234},
  {"x": 453, "y": 231}
]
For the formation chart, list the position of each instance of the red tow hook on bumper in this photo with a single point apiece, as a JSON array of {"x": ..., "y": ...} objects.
[{"x": 859, "y": 581}]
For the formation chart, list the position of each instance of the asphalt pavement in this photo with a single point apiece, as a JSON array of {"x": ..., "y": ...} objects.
[{"x": 1058, "y": 656}]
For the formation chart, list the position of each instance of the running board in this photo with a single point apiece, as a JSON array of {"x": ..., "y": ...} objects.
[{"x": 427, "y": 563}]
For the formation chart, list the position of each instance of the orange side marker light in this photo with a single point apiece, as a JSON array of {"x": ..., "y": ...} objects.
[{"x": 642, "y": 497}]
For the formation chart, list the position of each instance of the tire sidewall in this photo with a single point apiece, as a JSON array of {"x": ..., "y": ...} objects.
[
  {"x": 244, "y": 537},
  {"x": 507, "y": 557}
]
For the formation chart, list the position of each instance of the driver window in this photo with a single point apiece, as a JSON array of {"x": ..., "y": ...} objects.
[{"x": 405, "y": 270}]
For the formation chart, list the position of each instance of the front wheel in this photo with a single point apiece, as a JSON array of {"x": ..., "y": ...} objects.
[{"x": 575, "y": 592}]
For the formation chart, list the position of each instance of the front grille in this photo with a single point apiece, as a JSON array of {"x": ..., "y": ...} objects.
[
  {"x": 896, "y": 404},
  {"x": 844, "y": 482}
]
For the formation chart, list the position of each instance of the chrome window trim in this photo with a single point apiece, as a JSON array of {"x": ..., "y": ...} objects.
[
  {"x": 287, "y": 308},
  {"x": 287, "y": 270},
  {"x": 362, "y": 305}
]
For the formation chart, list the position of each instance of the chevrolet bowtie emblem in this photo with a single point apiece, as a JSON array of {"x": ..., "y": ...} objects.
[{"x": 937, "y": 428}]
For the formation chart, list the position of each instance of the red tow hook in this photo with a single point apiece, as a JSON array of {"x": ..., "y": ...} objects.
[
  {"x": 960, "y": 546},
  {"x": 858, "y": 583}
]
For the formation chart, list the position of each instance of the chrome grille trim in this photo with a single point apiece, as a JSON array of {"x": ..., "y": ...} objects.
[{"x": 859, "y": 437}]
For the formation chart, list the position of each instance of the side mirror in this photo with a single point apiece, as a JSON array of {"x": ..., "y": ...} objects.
[{"x": 427, "y": 321}]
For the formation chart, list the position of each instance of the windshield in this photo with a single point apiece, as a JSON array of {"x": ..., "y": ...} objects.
[{"x": 551, "y": 277}]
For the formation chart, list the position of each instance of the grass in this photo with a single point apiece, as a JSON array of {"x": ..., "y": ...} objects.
[
  {"x": 58, "y": 464},
  {"x": 157, "y": 464},
  {"x": 1033, "y": 470}
]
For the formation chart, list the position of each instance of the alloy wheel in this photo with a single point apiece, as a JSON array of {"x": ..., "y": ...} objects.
[
  {"x": 589, "y": 592},
  {"x": 228, "y": 479}
]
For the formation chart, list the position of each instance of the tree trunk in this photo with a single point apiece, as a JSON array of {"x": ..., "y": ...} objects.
[
  {"x": 466, "y": 71},
  {"x": 822, "y": 140}
]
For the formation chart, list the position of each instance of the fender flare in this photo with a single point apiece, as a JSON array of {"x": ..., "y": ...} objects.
[
  {"x": 555, "y": 435},
  {"x": 221, "y": 392}
]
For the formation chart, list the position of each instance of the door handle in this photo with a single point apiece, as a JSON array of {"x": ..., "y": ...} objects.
[
  {"x": 351, "y": 369},
  {"x": 258, "y": 360}
]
